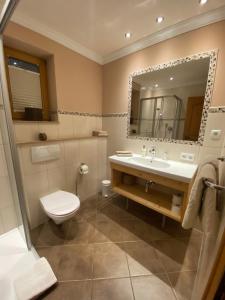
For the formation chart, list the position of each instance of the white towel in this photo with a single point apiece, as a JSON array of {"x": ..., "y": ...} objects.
[
  {"x": 35, "y": 281},
  {"x": 193, "y": 210},
  {"x": 210, "y": 215}
]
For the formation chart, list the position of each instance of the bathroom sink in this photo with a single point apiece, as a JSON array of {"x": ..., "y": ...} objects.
[
  {"x": 149, "y": 162},
  {"x": 168, "y": 168}
]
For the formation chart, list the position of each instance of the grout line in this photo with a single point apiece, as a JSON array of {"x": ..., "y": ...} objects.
[
  {"x": 171, "y": 286},
  {"x": 129, "y": 275}
]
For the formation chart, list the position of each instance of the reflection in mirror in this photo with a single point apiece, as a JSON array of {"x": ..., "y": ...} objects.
[{"x": 168, "y": 103}]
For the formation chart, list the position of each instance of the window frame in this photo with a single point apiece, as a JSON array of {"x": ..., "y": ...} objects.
[{"x": 11, "y": 52}]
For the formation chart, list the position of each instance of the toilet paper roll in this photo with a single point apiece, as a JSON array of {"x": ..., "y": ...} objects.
[
  {"x": 177, "y": 199},
  {"x": 176, "y": 208},
  {"x": 83, "y": 169}
]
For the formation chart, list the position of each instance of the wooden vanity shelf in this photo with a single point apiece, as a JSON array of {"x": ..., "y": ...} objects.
[{"x": 154, "y": 199}]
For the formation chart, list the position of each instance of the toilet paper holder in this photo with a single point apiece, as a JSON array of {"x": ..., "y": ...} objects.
[{"x": 83, "y": 169}]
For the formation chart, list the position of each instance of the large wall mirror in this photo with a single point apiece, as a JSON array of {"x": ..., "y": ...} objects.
[{"x": 170, "y": 101}]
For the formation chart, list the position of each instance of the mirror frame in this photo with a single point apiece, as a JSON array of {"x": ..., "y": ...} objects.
[{"x": 212, "y": 55}]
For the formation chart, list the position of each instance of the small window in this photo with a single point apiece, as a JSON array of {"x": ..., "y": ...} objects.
[{"x": 27, "y": 83}]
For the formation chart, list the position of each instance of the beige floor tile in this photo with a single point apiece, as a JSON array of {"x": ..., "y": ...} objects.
[
  {"x": 153, "y": 287},
  {"x": 112, "y": 289},
  {"x": 73, "y": 262},
  {"x": 109, "y": 261},
  {"x": 70, "y": 290},
  {"x": 178, "y": 254},
  {"x": 79, "y": 232},
  {"x": 183, "y": 284},
  {"x": 108, "y": 231},
  {"x": 49, "y": 234},
  {"x": 142, "y": 259},
  {"x": 142, "y": 230}
]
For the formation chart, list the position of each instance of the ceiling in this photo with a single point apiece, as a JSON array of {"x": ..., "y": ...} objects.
[
  {"x": 96, "y": 28},
  {"x": 185, "y": 74}
]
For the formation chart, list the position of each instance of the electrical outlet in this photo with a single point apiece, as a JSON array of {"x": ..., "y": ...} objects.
[
  {"x": 187, "y": 156},
  {"x": 215, "y": 134}
]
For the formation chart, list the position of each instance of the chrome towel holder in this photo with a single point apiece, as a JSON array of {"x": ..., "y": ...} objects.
[{"x": 211, "y": 184}]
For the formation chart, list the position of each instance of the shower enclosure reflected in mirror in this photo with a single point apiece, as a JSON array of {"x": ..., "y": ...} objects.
[{"x": 167, "y": 101}]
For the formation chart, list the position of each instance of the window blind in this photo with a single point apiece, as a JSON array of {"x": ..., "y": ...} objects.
[{"x": 25, "y": 88}]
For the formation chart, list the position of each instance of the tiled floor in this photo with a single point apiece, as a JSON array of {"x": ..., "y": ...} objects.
[{"x": 110, "y": 252}]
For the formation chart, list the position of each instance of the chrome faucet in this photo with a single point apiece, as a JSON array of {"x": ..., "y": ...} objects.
[{"x": 152, "y": 152}]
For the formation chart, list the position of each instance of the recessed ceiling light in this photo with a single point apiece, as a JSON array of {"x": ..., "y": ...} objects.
[
  {"x": 171, "y": 78},
  {"x": 159, "y": 19},
  {"x": 143, "y": 88},
  {"x": 128, "y": 35},
  {"x": 156, "y": 85},
  {"x": 202, "y": 2}
]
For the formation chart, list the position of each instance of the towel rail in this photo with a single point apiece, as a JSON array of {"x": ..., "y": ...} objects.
[{"x": 212, "y": 185}]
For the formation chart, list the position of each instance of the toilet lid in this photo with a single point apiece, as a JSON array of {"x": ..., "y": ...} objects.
[{"x": 60, "y": 203}]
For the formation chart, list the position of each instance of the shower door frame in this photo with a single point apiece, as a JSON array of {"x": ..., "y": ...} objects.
[{"x": 5, "y": 15}]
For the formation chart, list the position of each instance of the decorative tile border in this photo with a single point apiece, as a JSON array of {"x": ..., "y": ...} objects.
[
  {"x": 84, "y": 114},
  {"x": 120, "y": 115},
  {"x": 217, "y": 109},
  {"x": 208, "y": 94},
  {"x": 76, "y": 113}
]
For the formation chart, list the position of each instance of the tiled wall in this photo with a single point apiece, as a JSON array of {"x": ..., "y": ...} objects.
[
  {"x": 68, "y": 125},
  {"x": 117, "y": 129},
  {"x": 8, "y": 218},
  {"x": 62, "y": 173}
]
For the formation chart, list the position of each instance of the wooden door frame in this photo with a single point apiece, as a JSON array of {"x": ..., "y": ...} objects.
[{"x": 216, "y": 272}]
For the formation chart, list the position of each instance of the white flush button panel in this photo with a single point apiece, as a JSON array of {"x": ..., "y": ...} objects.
[
  {"x": 45, "y": 153},
  {"x": 187, "y": 156},
  {"x": 215, "y": 134}
]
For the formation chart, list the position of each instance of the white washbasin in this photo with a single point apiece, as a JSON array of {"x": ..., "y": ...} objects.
[
  {"x": 168, "y": 168},
  {"x": 146, "y": 161}
]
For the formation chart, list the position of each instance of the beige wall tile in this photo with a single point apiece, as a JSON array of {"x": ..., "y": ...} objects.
[
  {"x": 26, "y": 132},
  {"x": 51, "y": 130},
  {"x": 71, "y": 152},
  {"x": 99, "y": 123},
  {"x": 71, "y": 176},
  {"x": 1, "y": 225},
  {"x": 215, "y": 121},
  {"x": 102, "y": 159},
  {"x": 206, "y": 153},
  {"x": 6, "y": 194},
  {"x": 33, "y": 193},
  {"x": 1, "y": 142},
  {"x": 56, "y": 179},
  {"x": 65, "y": 126},
  {"x": 81, "y": 126},
  {"x": 3, "y": 166},
  {"x": 9, "y": 218}
]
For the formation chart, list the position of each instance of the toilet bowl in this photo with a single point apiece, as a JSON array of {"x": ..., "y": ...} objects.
[{"x": 60, "y": 206}]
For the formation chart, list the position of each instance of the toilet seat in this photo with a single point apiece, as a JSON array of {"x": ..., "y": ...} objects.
[{"x": 60, "y": 203}]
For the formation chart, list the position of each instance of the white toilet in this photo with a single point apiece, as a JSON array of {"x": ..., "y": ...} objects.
[{"x": 60, "y": 206}]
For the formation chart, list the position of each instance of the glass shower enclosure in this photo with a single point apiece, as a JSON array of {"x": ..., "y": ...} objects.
[
  {"x": 160, "y": 117},
  {"x": 13, "y": 211}
]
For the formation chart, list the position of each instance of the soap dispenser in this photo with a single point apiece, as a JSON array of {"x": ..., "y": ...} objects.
[{"x": 144, "y": 151}]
